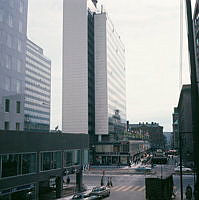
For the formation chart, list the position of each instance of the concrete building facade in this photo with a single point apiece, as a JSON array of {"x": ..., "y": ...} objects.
[
  {"x": 37, "y": 89},
  {"x": 29, "y": 169},
  {"x": 94, "y": 100},
  {"x": 152, "y": 131},
  {"x": 110, "y": 85},
  {"x": 13, "y": 30}
]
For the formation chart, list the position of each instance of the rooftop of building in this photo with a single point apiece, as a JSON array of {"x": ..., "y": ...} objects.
[
  {"x": 38, "y": 49},
  {"x": 140, "y": 124}
]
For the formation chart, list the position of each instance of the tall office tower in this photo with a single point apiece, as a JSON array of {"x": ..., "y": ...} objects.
[
  {"x": 13, "y": 29},
  {"x": 78, "y": 67},
  {"x": 37, "y": 89},
  {"x": 110, "y": 85},
  {"x": 93, "y": 72}
]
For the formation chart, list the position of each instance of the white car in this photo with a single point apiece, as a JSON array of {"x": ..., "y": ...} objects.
[
  {"x": 184, "y": 169},
  {"x": 143, "y": 168}
]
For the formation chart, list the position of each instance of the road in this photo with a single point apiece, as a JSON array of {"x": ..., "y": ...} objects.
[
  {"x": 127, "y": 187},
  {"x": 132, "y": 186}
]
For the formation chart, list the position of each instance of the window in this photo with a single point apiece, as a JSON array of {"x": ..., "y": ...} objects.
[
  {"x": 7, "y": 105},
  {"x": 18, "y": 86},
  {"x": 11, "y": 3},
  {"x": 7, "y": 83},
  {"x": 18, "y": 107},
  {"x": 17, "y": 126},
  {"x": 19, "y": 45},
  {"x": 21, "y": 6},
  {"x": 17, "y": 164},
  {"x": 9, "y": 41},
  {"x": 71, "y": 158},
  {"x": 1, "y": 15},
  {"x": 10, "y": 20},
  {"x": 50, "y": 160},
  {"x": 19, "y": 63},
  {"x": 28, "y": 163},
  {"x": 20, "y": 27},
  {"x": 1, "y": 36},
  {"x": 6, "y": 125},
  {"x": 8, "y": 61}
]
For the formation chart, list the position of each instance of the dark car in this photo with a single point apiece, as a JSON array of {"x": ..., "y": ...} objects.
[
  {"x": 101, "y": 191},
  {"x": 86, "y": 197}
]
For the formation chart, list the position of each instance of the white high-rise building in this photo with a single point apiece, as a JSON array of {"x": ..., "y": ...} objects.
[
  {"x": 110, "y": 86},
  {"x": 94, "y": 99}
]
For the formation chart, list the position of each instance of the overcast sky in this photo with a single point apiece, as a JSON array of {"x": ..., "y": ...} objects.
[{"x": 149, "y": 30}]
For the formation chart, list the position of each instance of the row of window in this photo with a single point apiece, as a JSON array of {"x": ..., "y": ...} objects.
[
  {"x": 7, "y": 126},
  {"x": 11, "y": 41},
  {"x": 17, "y": 84},
  {"x": 20, "y": 6},
  {"x": 26, "y": 163},
  {"x": 10, "y": 62},
  {"x": 8, "y": 103}
]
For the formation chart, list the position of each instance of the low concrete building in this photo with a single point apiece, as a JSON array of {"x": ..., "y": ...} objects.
[
  {"x": 30, "y": 160},
  {"x": 120, "y": 152}
]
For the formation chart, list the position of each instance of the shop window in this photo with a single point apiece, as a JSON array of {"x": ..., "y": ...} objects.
[
  {"x": 11, "y": 165},
  {"x": 29, "y": 163},
  {"x": 50, "y": 160}
]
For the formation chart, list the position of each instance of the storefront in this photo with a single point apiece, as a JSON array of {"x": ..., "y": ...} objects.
[{"x": 24, "y": 192}]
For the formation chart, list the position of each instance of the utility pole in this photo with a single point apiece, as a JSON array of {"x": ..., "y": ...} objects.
[{"x": 194, "y": 92}]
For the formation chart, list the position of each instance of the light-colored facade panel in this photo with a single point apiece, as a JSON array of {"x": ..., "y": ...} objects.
[
  {"x": 75, "y": 67},
  {"x": 101, "y": 99},
  {"x": 110, "y": 86}
]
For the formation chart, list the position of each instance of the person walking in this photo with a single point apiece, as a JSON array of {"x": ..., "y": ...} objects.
[
  {"x": 102, "y": 180},
  {"x": 188, "y": 192},
  {"x": 111, "y": 183},
  {"x": 68, "y": 180},
  {"x": 108, "y": 182}
]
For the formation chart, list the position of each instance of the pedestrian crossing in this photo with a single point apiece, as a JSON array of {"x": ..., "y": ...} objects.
[{"x": 127, "y": 188}]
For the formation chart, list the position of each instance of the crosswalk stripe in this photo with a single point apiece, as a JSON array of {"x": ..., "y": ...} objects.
[
  {"x": 127, "y": 188},
  {"x": 115, "y": 187},
  {"x": 120, "y": 188},
  {"x": 141, "y": 189},
  {"x": 135, "y": 188}
]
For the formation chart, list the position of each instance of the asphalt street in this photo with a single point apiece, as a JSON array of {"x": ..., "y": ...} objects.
[{"x": 132, "y": 186}]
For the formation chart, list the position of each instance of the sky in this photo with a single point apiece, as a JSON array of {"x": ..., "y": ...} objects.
[{"x": 150, "y": 33}]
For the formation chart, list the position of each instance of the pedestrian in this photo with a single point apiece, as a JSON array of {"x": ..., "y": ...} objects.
[
  {"x": 111, "y": 184},
  {"x": 108, "y": 183},
  {"x": 68, "y": 180},
  {"x": 188, "y": 192},
  {"x": 102, "y": 180}
]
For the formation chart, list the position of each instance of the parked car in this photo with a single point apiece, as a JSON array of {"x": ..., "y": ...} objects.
[
  {"x": 143, "y": 168},
  {"x": 184, "y": 169},
  {"x": 86, "y": 197},
  {"x": 101, "y": 191}
]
